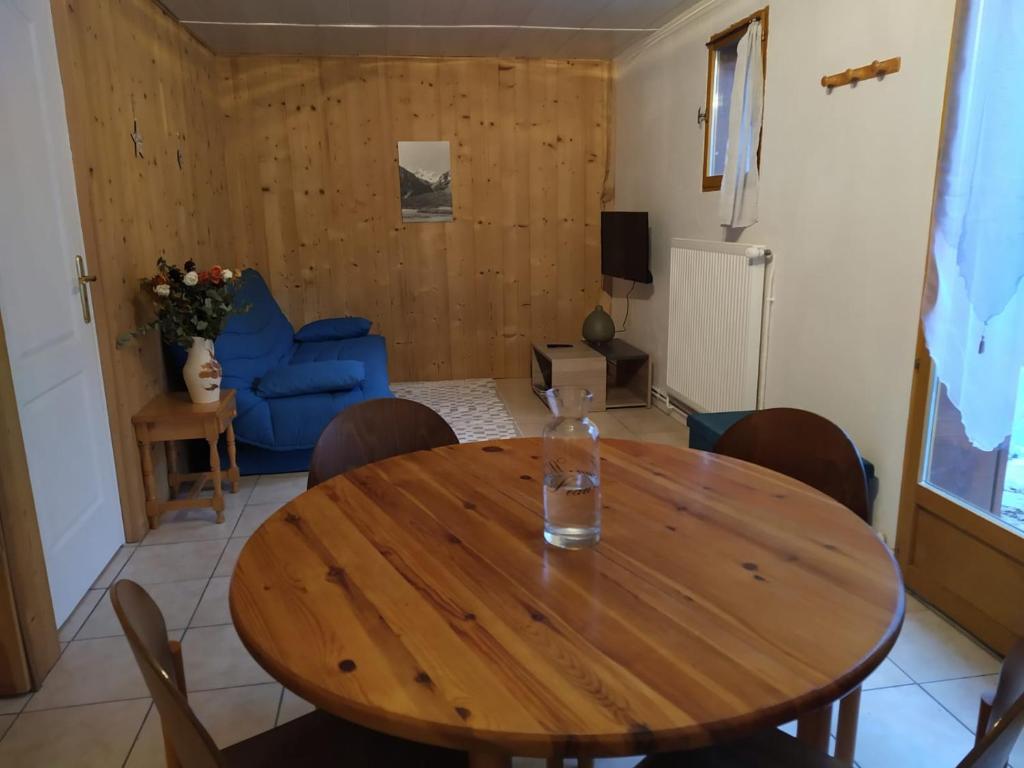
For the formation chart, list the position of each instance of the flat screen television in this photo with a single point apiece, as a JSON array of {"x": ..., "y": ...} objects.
[{"x": 626, "y": 245}]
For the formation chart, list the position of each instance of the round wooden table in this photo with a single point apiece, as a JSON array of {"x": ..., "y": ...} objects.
[{"x": 416, "y": 596}]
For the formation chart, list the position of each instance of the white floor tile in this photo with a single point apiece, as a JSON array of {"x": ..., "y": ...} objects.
[
  {"x": 278, "y": 488},
  {"x": 177, "y": 601},
  {"x": 213, "y": 608},
  {"x": 930, "y": 648},
  {"x": 216, "y": 658},
  {"x": 253, "y": 517},
  {"x": 162, "y": 563},
  {"x": 12, "y": 705},
  {"x": 91, "y": 671},
  {"x": 6, "y": 721},
  {"x": 226, "y": 564},
  {"x": 885, "y": 676},
  {"x": 93, "y": 736},
  {"x": 293, "y": 706},
  {"x": 194, "y": 525},
  {"x": 234, "y": 714},
  {"x": 107, "y": 576},
  {"x": 906, "y": 727},
  {"x": 962, "y": 697},
  {"x": 78, "y": 616}
]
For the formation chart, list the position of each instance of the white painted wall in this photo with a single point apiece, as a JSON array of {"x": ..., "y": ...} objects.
[{"x": 846, "y": 196}]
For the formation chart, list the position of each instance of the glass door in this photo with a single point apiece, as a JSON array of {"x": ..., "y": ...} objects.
[{"x": 961, "y": 533}]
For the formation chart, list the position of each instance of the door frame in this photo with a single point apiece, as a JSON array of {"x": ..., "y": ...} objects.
[
  {"x": 999, "y": 624},
  {"x": 27, "y": 600},
  {"x": 948, "y": 523}
]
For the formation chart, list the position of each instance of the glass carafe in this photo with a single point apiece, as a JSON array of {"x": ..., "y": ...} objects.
[{"x": 572, "y": 471}]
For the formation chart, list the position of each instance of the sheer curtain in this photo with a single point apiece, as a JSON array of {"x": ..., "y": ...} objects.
[
  {"x": 737, "y": 204},
  {"x": 974, "y": 302}
]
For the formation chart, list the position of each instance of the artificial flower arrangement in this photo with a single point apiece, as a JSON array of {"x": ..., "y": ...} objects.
[
  {"x": 191, "y": 306},
  {"x": 189, "y": 303}
]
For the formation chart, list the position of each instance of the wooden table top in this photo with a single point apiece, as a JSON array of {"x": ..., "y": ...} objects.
[
  {"x": 416, "y": 596},
  {"x": 176, "y": 406}
]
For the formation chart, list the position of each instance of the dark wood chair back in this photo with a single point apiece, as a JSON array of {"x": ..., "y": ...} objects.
[
  {"x": 1005, "y": 716},
  {"x": 804, "y": 446},
  {"x": 188, "y": 743},
  {"x": 374, "y": 430}
]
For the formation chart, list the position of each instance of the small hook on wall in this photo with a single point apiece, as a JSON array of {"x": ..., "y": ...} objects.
[{"x": 702, "y": 116}]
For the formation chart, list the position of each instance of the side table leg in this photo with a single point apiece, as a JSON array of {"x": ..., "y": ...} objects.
[
  {"x": 148, "y": 481},
  {"x": 218, "y": 491},
  {"x": 232, "y": 459},
  {"x": 846, "y": 731},
  {"x": 171, "y": 450}
]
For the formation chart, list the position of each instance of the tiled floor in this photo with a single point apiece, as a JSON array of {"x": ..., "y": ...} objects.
[{"x": 918, "y": 708}]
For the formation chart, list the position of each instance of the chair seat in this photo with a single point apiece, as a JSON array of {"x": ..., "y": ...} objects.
[
  {"x": 318, "y": 739},
  {"x": 767, "y": 749}
]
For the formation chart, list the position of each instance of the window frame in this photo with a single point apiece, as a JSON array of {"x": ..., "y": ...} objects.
[{"x": 729, "y": 35}]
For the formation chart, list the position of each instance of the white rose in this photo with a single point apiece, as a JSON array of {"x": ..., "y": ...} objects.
[
  {"x": 162, "y": 290},
  {"x": 226, "y": 274},
  {"x": 191, "y": 278}
]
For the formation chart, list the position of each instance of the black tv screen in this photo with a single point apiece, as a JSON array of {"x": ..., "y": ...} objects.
[{"x": 625, "y": 245}]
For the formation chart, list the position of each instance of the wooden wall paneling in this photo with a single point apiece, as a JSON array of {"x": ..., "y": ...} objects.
[
  {"x": 596, "y": 109},
  {"x": 543, "y": 199},
  {"x": 307, "y": 142},
  {"x": 456, "y": 122},
  {"x": 26, "y": 610},
  {"x": 571, "y": 158},
  {"x": 515, "y": 210},
  {"x": 123, "y": 60},
  {"x": 456, "y": 299},
  {"x": 416, "y": 107}
]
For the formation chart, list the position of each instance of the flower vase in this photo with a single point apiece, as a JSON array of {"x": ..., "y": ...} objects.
[{"x": 202, "y": 372}]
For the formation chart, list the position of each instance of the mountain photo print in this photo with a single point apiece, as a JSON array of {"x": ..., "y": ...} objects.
[{"x": 425, "y": 180}]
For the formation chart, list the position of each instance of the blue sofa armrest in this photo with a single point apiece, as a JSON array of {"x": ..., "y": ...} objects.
[
  {"x": 311, "y": 378},
  {"x": 333, "y": 329}
]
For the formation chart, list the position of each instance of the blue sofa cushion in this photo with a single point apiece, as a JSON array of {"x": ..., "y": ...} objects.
[
  {"x": 311, "y": 378},
  {"x": 334, "y": 328}
]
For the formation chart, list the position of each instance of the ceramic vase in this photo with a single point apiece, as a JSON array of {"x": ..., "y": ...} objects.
[
  {"x": 202, "y": 372},
  {"x": 599, "y": 326}
]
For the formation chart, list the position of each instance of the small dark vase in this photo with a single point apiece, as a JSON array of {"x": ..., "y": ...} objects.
[{"x": 599, "y": 326}]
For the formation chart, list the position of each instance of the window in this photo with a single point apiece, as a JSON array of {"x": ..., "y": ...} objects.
[{"x": 721, "y": 71}]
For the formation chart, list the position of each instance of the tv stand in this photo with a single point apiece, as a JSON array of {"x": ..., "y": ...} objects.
[
  {"x": 628, "y": 374},
  {"x": 618, "y": 374}
]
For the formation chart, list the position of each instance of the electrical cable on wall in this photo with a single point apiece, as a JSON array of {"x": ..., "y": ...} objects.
[{"x": 625, "y": 319}]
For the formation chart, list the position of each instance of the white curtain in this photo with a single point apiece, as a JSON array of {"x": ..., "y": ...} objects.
[
  {"x": 737, "y": 204},
  {"x": 974, "y": 304}
]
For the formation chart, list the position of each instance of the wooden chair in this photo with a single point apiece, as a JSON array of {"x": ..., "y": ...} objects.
[
  {"x": 804, "y": 446},
  {"x": 1002, "y": 717},
  {"x": 374, "y": 430},
  {"x": 809, "y": 448},
  {"x": 316, "y": 739}
]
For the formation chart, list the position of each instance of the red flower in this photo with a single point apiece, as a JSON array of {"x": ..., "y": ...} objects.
[
  {"x": 160, "y": 279},
  {"x": 216, "y": 274},
  {"x": 204, "y": 276}
]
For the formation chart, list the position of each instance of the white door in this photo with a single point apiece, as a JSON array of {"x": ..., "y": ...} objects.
[{"x": 53, "y": 353}]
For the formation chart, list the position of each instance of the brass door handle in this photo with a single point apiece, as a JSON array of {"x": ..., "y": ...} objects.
[{"x": 83, "y": 281}]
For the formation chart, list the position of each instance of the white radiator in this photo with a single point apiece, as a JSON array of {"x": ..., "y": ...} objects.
[{"x": 716, "y": 307}]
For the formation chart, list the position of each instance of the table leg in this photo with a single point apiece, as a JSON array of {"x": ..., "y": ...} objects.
[
  {"x": 232, "y": 460},
  {"x": 846, "y": 732},
  {"x": 814, "y": 727},
  {"x": 218, "y": 490},
  {"x": 489, "y": 760},
  {"x": 148, "y": 481},
  {"x": 170, "y": 449}
]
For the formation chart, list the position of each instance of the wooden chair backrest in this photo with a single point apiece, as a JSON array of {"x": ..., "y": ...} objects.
[
  {"x": 804, "y": 446},
  {"x": 189, "y": 745},
  {"x": 374, "y": 430},
  {"x": 1007, "y": 718}
]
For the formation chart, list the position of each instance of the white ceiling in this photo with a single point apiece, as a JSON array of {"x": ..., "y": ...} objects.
[{"x": 534, "y": 28}]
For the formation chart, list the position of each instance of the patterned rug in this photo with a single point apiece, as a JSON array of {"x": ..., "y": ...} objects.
[{"x": 471, "y": 406}]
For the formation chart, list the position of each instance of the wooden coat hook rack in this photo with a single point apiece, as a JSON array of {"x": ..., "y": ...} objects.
[{"x": 876, "y": 68}]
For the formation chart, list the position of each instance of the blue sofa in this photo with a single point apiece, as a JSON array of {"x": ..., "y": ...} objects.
[{"x": 291, "y": 384}]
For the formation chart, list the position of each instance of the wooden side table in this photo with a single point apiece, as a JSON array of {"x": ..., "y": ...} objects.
[
  {"x": 170, "y": 417},
  {"x": 576, "y": 364}
]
